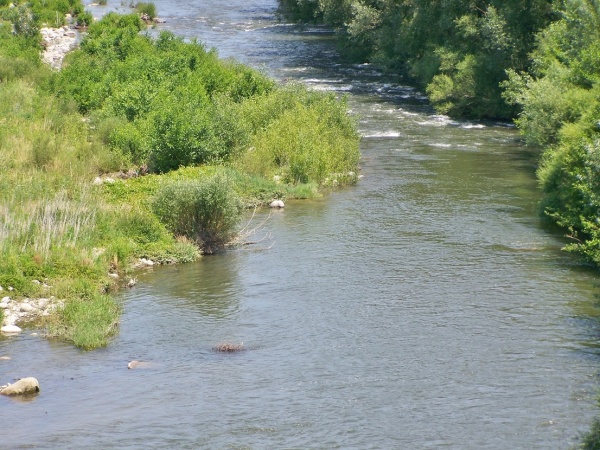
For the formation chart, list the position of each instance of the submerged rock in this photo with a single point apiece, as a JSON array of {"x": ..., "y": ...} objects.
[
  {"x": 137, "y": 364},
  {"x": 24, "y": 386},
  {"x": 227, "y": 347}
]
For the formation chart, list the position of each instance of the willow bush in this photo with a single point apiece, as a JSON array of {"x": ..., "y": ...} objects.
[{"x": 205, "y": 211}]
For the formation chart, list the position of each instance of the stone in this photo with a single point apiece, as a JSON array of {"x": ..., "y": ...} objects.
[
  {"x": 10, "y": 329},
  {"x": 229, "y": 347},
  {"x": 26, "y": 307},
  {"x": 10, "y": 318},
  {"x": 277, "y": 204},
  {"x": 24, "y": 386},
  {"x": 5, "y": 300},
  {"x": 137, "y": 364}
]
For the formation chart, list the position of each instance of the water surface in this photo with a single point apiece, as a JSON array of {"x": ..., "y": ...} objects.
[{"x": 424, "y": 308}]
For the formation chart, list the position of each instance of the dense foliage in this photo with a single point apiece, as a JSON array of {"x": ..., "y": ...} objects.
[
  {"x": 164, "y": 103},
  {"x": 459, "y": 50},
  {"x": 560, "y": 103}
]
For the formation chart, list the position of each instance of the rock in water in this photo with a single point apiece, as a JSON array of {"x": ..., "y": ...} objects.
[
  {"x": 227, "y": 347},
  {"x": 22, "y": 387},
  {"x": 277, "y": 204},
  {"x": 10, "y": 329},
  {"x": 138, "y": 364}
]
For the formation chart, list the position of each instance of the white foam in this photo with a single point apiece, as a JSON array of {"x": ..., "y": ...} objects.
[{"x": 383, "y": 134}]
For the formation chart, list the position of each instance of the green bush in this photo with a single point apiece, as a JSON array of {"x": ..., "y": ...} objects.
[
  {"x": 204, "y": 211},
  {"x": 591, "y": 439},
  {"x": 148, "y": 9},
  {"x": 85, "y": 19},
  {"x": 302, "y": 137}
]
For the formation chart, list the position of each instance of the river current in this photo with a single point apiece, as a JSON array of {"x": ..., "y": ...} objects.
[{"x": 425, "y": 307}]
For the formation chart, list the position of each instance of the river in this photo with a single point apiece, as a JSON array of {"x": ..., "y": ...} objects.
[{"x": 425, "y": 307}]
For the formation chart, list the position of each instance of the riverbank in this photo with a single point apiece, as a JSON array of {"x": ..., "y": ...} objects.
[{"x": 98, "y": 154}]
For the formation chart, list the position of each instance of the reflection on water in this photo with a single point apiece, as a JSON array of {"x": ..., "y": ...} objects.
[{"x": 424, "y": 308}]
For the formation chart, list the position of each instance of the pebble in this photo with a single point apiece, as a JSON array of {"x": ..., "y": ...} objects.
[
  {"x": 27, "y": 309},
  {"x": 23, "y": 386}
]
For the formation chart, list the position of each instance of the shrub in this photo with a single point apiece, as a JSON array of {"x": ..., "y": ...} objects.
[
  {"x": 85, "y": 19},
  {"x": 204, "y": 211},
  {"x": 148, "y": 9},
  {"x": 303, "y": 137}
]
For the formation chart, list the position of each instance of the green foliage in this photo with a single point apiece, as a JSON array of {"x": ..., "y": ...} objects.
[
  {"x": 160, "y": 102},
  {"x": 88, "y": 322},
  {"x": 591, "y": 439},
  {"x": 459, "y": 51},
  {"x": 169, "y": 104},
  {"x": 23, "y": 21},
  {"x": 205, "y": 211},
  {"x": 85, "y": 19},
  {"x": 158, "y": 94},
  {"x": 148, "y": 9},
  {"x": 303, "y": 144},
  {"x": 560, "y": 104}
]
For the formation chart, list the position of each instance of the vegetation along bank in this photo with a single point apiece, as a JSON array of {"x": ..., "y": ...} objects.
[{"x": 139, "y": 149}]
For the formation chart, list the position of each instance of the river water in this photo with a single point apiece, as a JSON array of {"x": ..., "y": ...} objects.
[{"x": 425, "y": 307}]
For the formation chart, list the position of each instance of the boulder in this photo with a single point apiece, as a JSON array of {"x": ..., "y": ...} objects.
[
  {"x": 277, "y": 204},
  {"x": 227, "y": 347},
  {"x": 22, "y": 387},
  {"x": 26, "y": 307},
  {"x": 10, "y": 329}
]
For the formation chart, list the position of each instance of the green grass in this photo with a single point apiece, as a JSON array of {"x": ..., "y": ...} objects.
[{"x": 87, "y": 322}]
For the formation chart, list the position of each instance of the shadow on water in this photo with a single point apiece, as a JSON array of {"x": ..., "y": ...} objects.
[{"x": 207, "y": 288}]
